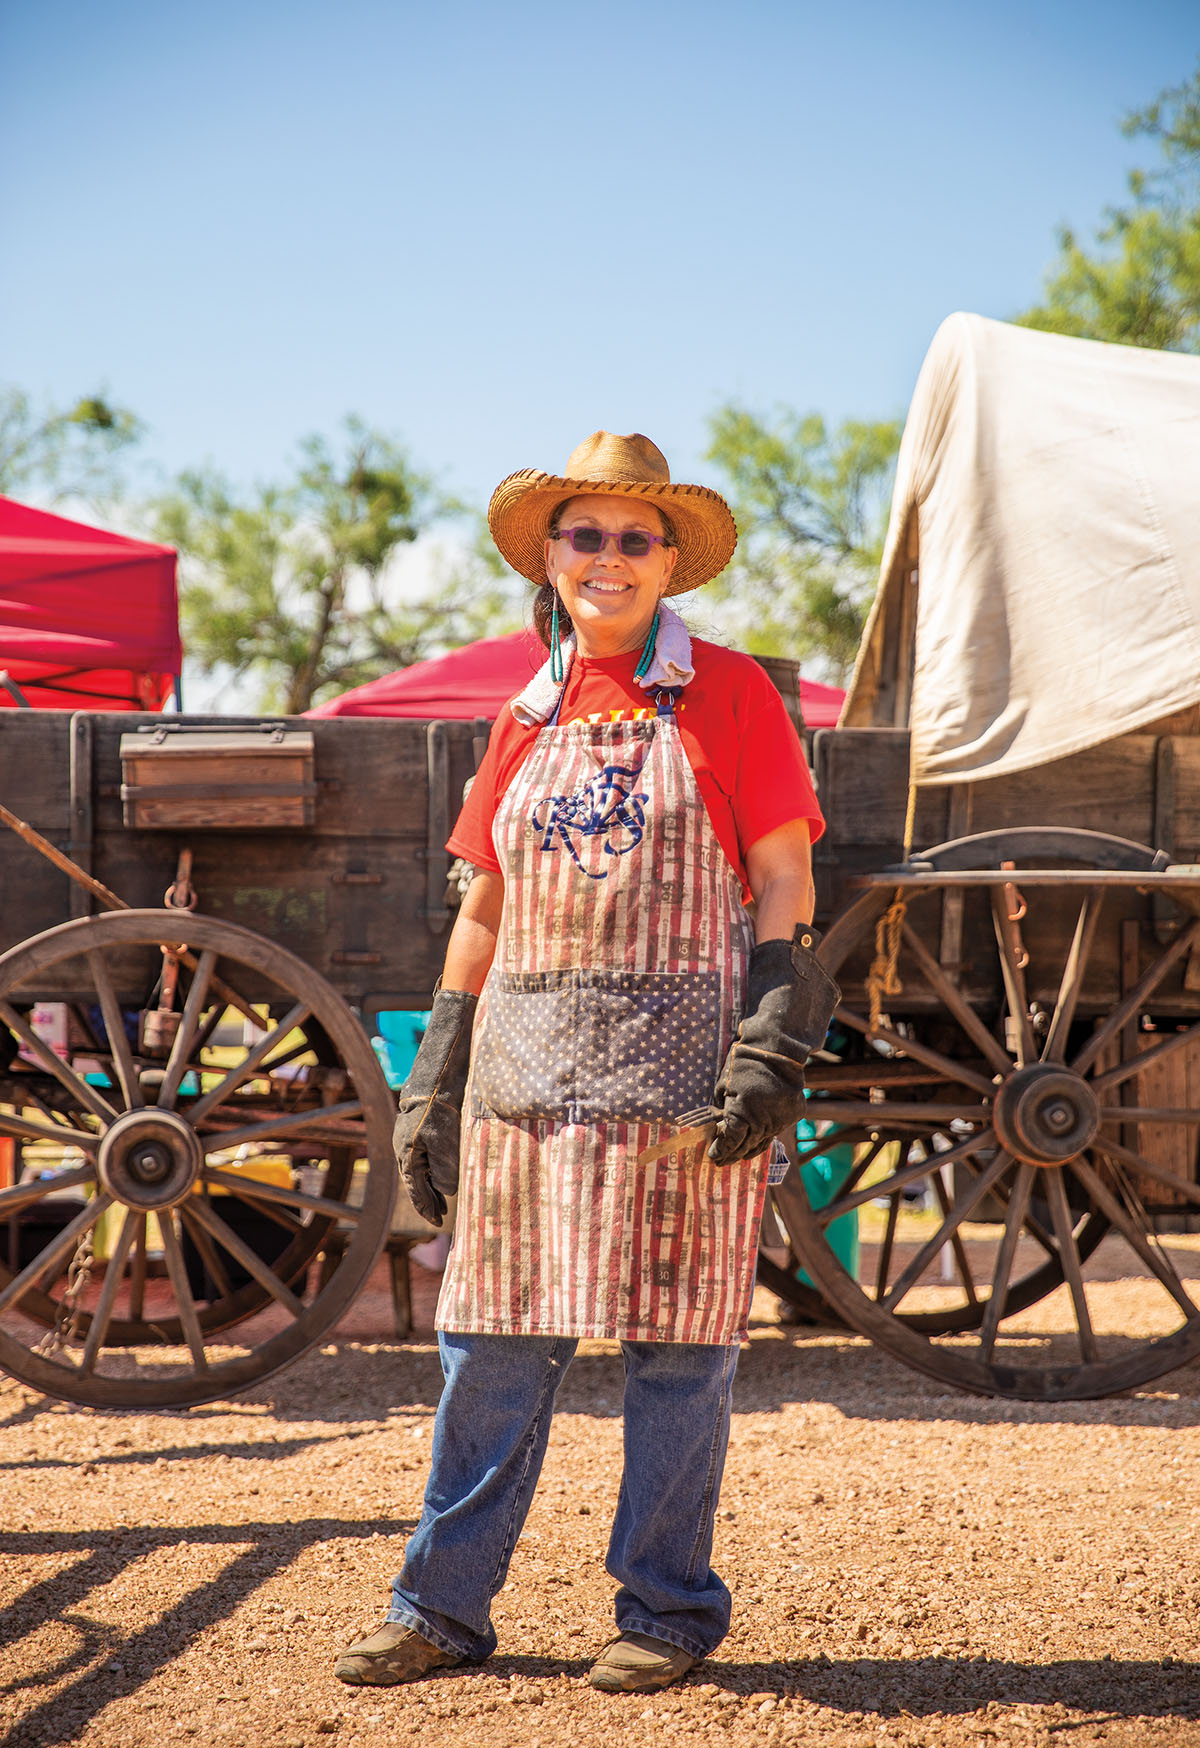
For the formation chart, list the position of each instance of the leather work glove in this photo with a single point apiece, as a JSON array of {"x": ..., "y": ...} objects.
[
  {"x": 790, "y": 1000},
  {"x": 426, "y": 1135}
]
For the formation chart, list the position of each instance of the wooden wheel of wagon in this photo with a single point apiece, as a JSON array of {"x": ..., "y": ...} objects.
[
  {"x": 169, "y": 1264},
  {"x": 1011, "y": 1107}
]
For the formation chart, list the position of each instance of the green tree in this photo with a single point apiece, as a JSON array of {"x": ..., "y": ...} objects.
[
  {"x": 811, "y": 507},
  {"x": 1140, "y": 282},
  {"x": 57, "y": 452},
  {"x": 295, "y": 586}
]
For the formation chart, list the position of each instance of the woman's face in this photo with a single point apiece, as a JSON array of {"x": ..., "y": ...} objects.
[{"x": 611, "y": 599}]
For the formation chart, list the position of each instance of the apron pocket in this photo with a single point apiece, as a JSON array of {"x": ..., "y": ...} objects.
[
  {"x": 524, "y": 1058},
  {"x": 593, "y": 1047},
  {"x": 647, "y": 1044}
]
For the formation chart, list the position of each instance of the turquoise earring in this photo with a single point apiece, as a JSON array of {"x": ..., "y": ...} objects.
[
  {"x": 647, "y": 655},
  {"x": 557, "y": 673}
]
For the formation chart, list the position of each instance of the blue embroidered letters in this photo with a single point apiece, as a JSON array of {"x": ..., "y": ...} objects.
[{"x": 606, "y": 807}]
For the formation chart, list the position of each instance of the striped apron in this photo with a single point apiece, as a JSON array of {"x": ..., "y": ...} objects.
[{"x": 619, "y": 976}]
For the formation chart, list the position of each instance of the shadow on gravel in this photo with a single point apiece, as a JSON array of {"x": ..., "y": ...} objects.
[
  {"x": 780, "y": 1368},
  {"x": 112, "y": 1666},
  {"x": 947, "y": 1687},
  {"x": 262, "y": 1451}
]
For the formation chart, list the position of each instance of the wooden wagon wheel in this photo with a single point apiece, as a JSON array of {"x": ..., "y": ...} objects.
[
  {"x": 998, "y": 1086},
  {"x": 156, "y": 1142}
]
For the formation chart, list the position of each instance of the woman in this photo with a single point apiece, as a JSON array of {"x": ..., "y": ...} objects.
[{"x": 632, "y": 798}]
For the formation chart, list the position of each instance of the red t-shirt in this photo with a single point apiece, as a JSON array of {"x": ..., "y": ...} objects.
[{"x": 745, "y": 753}]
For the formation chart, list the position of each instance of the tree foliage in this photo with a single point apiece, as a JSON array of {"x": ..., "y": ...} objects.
[
  {"x": 1140, "y": 283},
  {"x": 64, "y": 452},
  {"x": 297, "y": 585},
  {"x": 811, "y": 506}
]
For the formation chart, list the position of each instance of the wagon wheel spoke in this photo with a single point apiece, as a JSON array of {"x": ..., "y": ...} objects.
[
  {"x": 44, "y": 1264},
  {"x": 1172, "y": 1181},
  {"x": 1130, "y": 1005},
  {"x": 29, "y": 1128},
  {"x": 956, "y": 1241},
  {"x": 946, "y": 1066},
  {"x": 1012, "y": 969},
  {"x": 840, "y": 1135},
  {"x": 907, "y": 1174},
  {"x": 1032, "y": 1224},
  {"x": 1149, "y": 1114},
  {"x": 861, "y": 1166},
  {"x": 1074, "y": 971},
  {"x": 102, "y": 1315},
  {"x": 209, "y": 1254},
  {"x": 137, "y": 1273},
  {"x": 186, "y": 1305},
  {"x": 916, "y": 1268},
  {"x": 189, "y": 1025},
  {"x": 268, "y": 1192},
  {"x": 246, "y": 1190},
  {"x": 1155, "y": 1259},
  {"x": 953, "y": 1001},
  {"x": 1060, "y": 1212},
  {"x": 114, "y": 1026},
  {"x": 241, "y": 1252},
  {"x": 21, "y": 1195},
  {"x": 884, "y": 1263},
  {"x": 862, "y": 1112},
  {"x": 1125, "y": 1070},
  {"x": 75, "y": 1084},
  {"x": 253, "y": 1059},
  {"x": 1018, "y": 1202},
  {"x": 325, "y": 1117}
]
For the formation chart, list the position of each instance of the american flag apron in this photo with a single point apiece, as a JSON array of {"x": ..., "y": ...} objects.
[{"x": 619, "y": 975}]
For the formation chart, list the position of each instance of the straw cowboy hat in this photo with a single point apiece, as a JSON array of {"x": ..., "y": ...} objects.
[{"x": 624, "y": 467}]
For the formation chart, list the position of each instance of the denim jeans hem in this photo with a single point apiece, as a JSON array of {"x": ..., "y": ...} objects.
[
  {"x": 656, "y": 1630},
  {"x": 416, "y": 1623}
]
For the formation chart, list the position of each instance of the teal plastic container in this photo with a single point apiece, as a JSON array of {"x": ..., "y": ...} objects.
[
  {"x": 822, "y": 1177},
  {"x": 397, "y": 1041}
]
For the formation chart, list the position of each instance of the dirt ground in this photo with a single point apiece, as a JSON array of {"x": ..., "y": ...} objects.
[{"x": 908, "y": 1566}]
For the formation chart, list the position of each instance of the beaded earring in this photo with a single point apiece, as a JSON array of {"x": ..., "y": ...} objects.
[
  {"x": 647, "y": 655},
  {"x": 557, "y": 672}
]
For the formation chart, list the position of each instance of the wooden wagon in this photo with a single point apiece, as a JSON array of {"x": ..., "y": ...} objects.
[
  {"x": 1010, "y": 882},
  {"x": 208, "y": 1176}
]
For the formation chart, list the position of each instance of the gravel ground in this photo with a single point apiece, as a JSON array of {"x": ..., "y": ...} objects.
[{"x": 908, "y": 1566}]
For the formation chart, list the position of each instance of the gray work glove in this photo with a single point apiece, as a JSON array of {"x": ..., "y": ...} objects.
[
  {"x": 790, "y": 1000},
  {"x": 426, "y": 1136}
]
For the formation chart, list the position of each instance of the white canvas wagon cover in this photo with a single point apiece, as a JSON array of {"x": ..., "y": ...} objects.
[{"x": 1040, "y": 586}]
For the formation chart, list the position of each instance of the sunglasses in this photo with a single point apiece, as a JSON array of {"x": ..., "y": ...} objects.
[{"x": 631, "y": 544}]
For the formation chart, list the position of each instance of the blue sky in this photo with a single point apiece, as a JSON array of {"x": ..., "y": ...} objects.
[{"x": 491, "y": 228}]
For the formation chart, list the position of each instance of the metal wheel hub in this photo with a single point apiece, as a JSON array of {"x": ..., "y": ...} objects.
[
  {"x": 150, "y": 1159},
  {"x": 1046, "y": 1115}
]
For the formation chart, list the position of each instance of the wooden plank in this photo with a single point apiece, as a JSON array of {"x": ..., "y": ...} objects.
[
  {"x": 82, "y": 823},
  {"x": 1106, "y": 788}
]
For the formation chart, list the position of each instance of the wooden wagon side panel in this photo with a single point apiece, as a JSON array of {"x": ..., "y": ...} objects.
[{"x": 359, "y": 894}]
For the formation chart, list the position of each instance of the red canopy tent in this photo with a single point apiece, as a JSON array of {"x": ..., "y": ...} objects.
[
  {"x": 479, "y": 678},
  {"x": 88, "y": 619}
]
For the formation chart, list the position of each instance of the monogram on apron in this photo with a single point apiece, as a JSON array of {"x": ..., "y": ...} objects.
[{"x": 619, "y": 974}]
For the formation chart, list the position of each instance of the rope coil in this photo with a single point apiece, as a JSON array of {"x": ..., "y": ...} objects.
[{"x": 882, "y": 978}]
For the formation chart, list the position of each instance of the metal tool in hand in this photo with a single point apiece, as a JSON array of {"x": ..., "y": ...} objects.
[{"x": 692, "y": 1128}]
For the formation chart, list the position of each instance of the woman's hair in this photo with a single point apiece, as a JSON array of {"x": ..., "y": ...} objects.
[{"x": 543, "y": 600}]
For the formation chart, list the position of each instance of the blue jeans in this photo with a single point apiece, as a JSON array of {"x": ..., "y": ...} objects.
[{"x": 493, "y": 1422}]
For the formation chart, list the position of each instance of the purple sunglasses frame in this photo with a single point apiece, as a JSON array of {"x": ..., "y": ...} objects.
[{"x": 606, "y": 536}]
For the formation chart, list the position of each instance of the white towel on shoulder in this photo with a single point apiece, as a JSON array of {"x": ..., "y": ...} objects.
[{"x": 671, "y": 666}]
